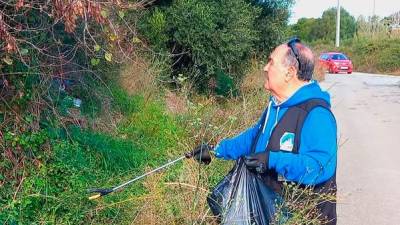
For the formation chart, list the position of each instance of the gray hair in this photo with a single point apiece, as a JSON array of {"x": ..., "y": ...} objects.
[{"x": 306, "y": 59}]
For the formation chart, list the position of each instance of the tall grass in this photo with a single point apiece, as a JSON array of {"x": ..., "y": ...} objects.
[
  {"x": 375, "y": 55},
  {"x": 178, "y": 196},
  {"x": 369, "y": 54},
  {"x": 132, "y": 131}
]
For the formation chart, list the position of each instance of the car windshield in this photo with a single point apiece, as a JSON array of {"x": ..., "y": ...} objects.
[{"x": 339, "y": 57}]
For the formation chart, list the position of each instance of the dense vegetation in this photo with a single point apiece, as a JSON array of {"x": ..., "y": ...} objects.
[
  {"x": 324, "y": 28},
  {"x": 212, "y": 45},
  {"x": 370, "y": 42},
  {"x": 86, "y": 102},
  {"x": 94, "y": 93}
]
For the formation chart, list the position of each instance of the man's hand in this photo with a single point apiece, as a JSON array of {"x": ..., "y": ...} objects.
[
  {"x": 201, "y": 153},
  {"x": 257, "y": 162}
]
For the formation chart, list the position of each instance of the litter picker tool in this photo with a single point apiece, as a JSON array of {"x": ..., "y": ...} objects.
[{"x": 99, "y": 192}]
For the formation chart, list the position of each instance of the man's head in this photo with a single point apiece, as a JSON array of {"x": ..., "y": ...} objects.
[{"x": 289, "y": 67}]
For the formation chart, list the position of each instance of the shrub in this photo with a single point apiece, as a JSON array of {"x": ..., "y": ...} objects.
[
  {"x": 154, "y": 28},
  {"x": 368, "y": 55},
  {"x": 61, "y": 164},
  {"x": 271, "y": 24},
  {"x": 311, "y": 29},
  {"x": 225, "y": 85},
  {"x": 374, "y": 55},
  {"x": 213, "y": 38},
  {"x": 203, "y": 38}
]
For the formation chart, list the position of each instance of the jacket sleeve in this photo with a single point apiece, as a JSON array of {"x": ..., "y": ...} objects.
[
  {"x": 316, "y": 160},
  {"x": 233, "y": 148}
]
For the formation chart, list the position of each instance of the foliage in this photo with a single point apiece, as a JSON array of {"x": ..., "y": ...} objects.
[
  {"x": 374, "y": 27},
  {"x": 56, "y": 44},
  {"x": 375, "y": 55},
  {"x": 53, "y": 149},
  {"x": 368, "y": 54},
  {"x": 225, "y": 85},
  {"x": 369, "y": 42},
  {"x": 60, "y": 180},
  {"x": 77, "y": 159},
  {"x": 271, "y": 24},
  {"x": 209, "y": 39},
  {"x": 152, "y": 125},
  {"x": 299, "y": 205},
  {"x": 53, "y": 189},
  {"x": 311, "y": 29},
  {"x": 154, "y": 28},
  {"x": 52, "y": 52},
  {"x": 304, "y": 28}
]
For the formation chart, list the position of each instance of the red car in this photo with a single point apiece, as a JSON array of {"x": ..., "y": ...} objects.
[{"x": 336, "y": 62}]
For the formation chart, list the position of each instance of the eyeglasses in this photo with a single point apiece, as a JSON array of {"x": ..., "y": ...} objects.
[{"x": 292, "y": 45}]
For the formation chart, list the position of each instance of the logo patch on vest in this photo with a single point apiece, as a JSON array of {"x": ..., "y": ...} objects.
[{"x": 286, "y": 142}]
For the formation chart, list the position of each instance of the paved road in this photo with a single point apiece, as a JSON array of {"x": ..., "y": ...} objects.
[{"x": 367, "y": 109}]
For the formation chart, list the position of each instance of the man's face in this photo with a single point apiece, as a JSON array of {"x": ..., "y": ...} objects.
[{"x": 275, "y": 71}]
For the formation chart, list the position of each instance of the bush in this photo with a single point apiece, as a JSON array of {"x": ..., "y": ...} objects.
[
  {"x": 203, "y": 38},
  {"x": 311, "y": 29},
  {"x": 213, "y": 38},
  {"x": 63, "y": 164},
  {"x": 373, "y": 55},
  {"x": 271, "y": 24},
  {"x": 225, "y": 85},
  {"x": 154, "y": 28},
  {"x": 368, "y": 55}
]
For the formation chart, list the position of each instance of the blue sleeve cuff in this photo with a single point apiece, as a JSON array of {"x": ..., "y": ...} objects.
[{"x": 218, "y": 151}]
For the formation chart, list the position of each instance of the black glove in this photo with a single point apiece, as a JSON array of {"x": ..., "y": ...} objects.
[
  {"x": 257, "y": 162},
  {"x": 201, "y": 153}
]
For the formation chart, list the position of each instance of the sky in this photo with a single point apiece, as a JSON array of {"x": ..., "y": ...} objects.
[{"x": 314, "y": 8}]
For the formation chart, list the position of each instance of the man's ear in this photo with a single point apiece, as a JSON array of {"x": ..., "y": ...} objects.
[{"x": 291, "y": 73}]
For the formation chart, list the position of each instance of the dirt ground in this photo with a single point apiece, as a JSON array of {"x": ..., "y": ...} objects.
[{"x": 367, "y": 109}]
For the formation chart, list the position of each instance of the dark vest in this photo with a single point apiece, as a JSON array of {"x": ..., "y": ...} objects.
[{"x": 292, "y": 122}]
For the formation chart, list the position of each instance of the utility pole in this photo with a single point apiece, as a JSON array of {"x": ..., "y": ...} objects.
[
  {"x": 373, "y": 20},
  {"x": 338, "y": 24},
  {"x": 373, "y": 9}
]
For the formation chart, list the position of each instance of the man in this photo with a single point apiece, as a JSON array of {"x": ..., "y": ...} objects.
[{"x": 295, "y": 140}]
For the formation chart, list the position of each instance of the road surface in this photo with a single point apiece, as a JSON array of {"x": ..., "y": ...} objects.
[{"x": 367, "y": 109}]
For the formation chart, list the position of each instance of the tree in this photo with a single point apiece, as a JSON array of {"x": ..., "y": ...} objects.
[
  {"x": 271, "y": 23},
  {"x": 48, "y": 42},
  {"x": 203, "y": 37},
  {"x": 373, "y": 27},
  {"x": 207, "y": 38},
  {"x": 304, "y": 27},
  {"x": 325, "y": 27}
]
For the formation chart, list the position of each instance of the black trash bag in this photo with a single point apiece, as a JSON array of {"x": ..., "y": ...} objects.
[{"x": 242, "y": 198}]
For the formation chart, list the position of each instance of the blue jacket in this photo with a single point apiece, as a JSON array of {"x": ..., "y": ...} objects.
[{"x": 318, "y": 140}]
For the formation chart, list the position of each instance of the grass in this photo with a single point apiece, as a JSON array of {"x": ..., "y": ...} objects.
[
  {"x": 127, "y": 135},
  {"x": 369, "y": 55},
  {"x": 52, "y": 187}
]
